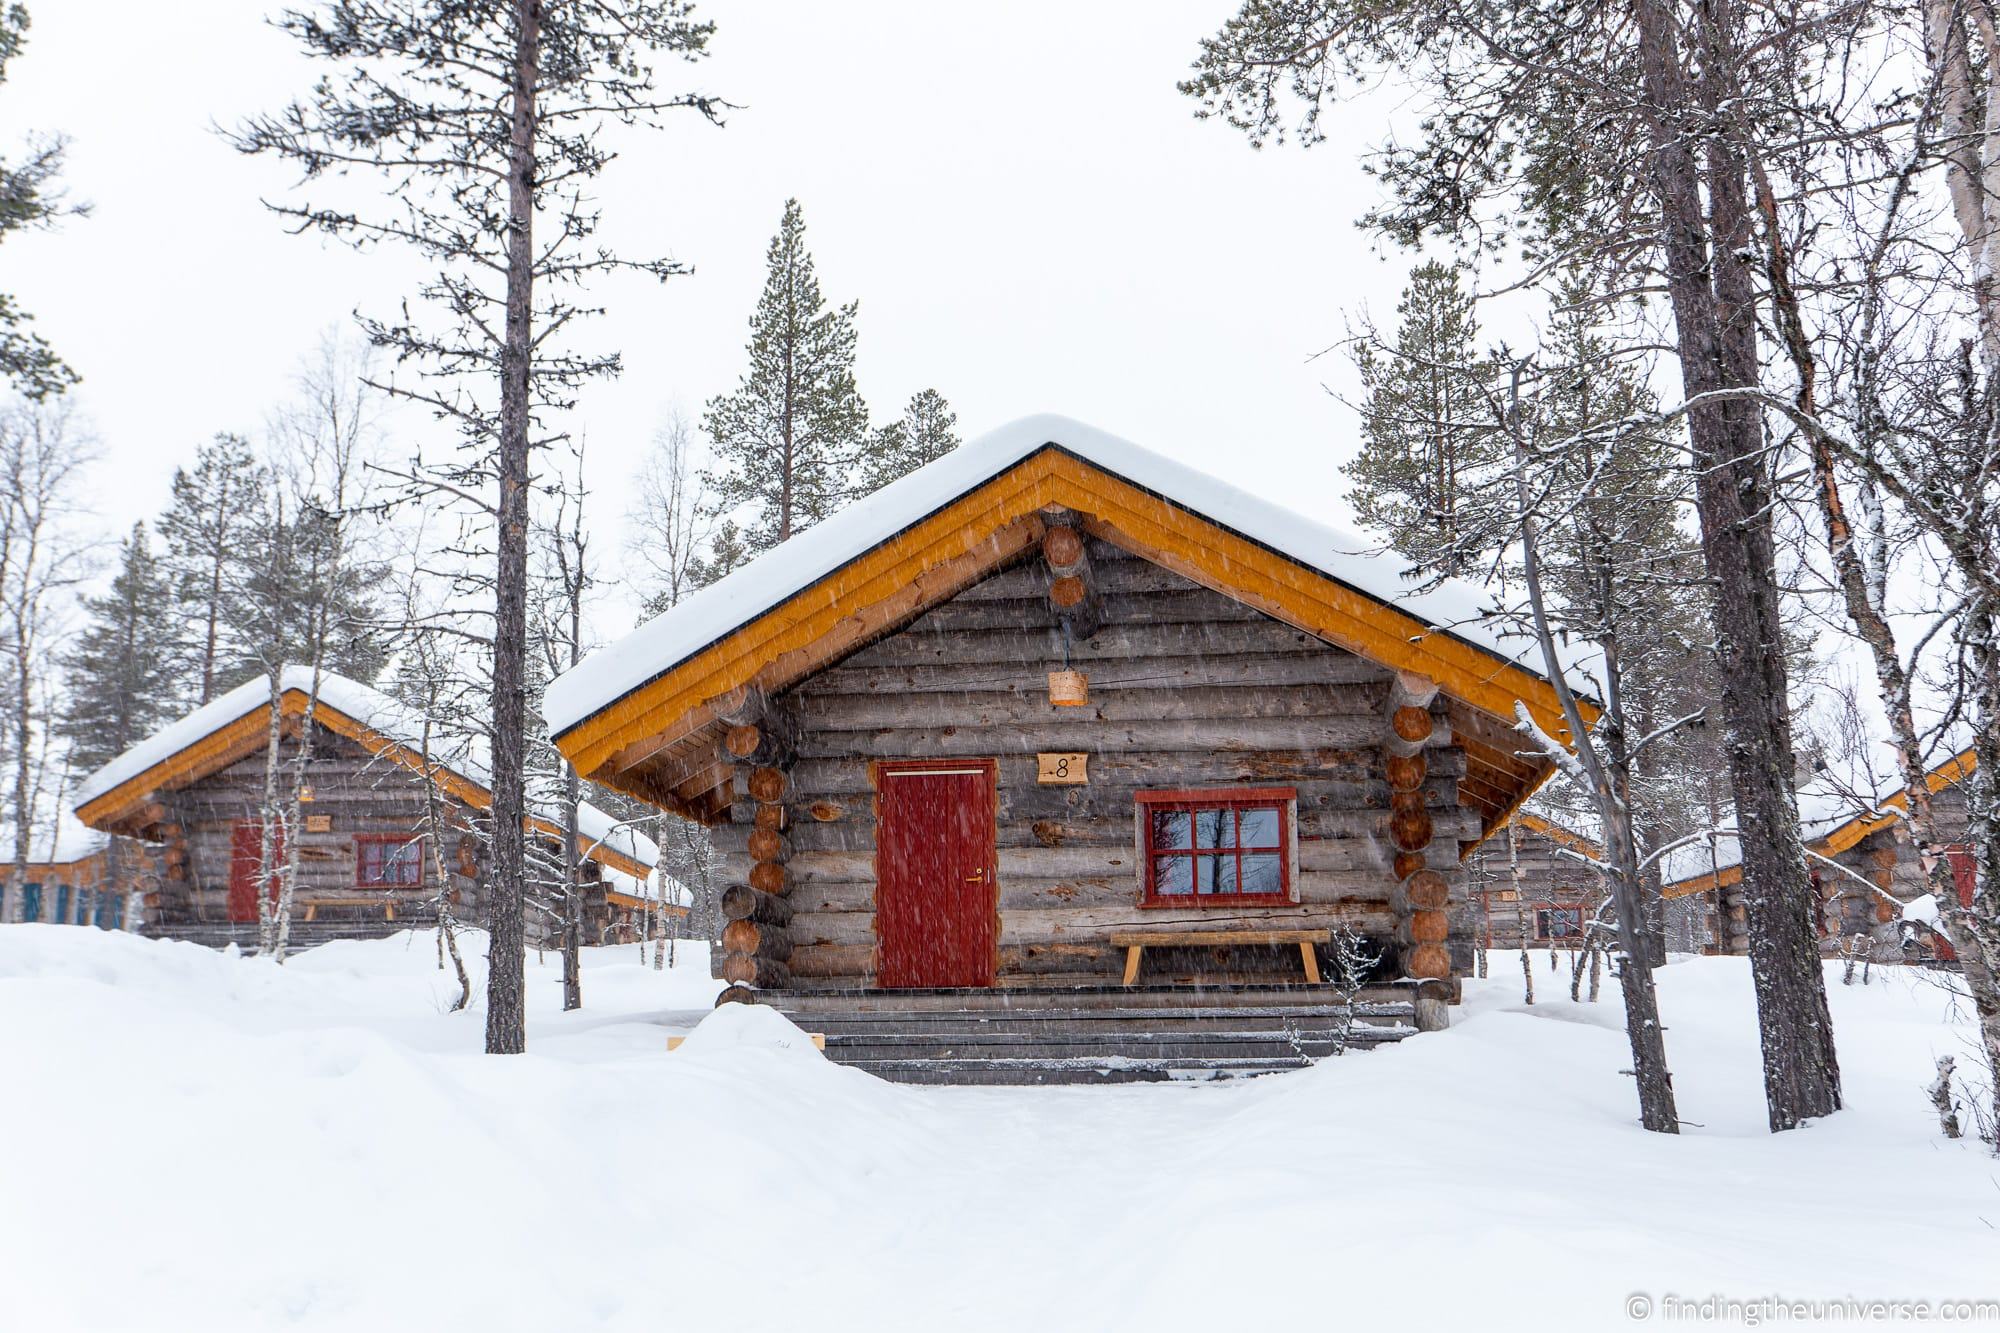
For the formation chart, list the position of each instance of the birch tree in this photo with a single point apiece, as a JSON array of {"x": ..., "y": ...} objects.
[
  {"x": 43, "y": 453},
  {"x": 670, "y": 519},
  {"x": 485, "y": 123}
]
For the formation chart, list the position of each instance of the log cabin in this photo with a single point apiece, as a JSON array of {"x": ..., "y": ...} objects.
[
  {"x": 388, "y": 827},
  {"x": 1535, "y": 883},
  {"x": 1054, "y": 727},
  {"x": 1863, "y": 868}
]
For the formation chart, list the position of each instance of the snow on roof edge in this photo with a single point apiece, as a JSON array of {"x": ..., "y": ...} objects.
[{"x": 1454, "y": 608}]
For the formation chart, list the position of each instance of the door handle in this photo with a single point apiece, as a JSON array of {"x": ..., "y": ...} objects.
[{"x": 976, "y": 877}]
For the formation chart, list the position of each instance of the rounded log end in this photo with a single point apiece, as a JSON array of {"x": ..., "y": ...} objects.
[
  {"x": 1427, "y": 891},
  {"x": 1429, "y": 927},
  {"x": 1410, "y": 832},
  {"x": 1068, "y": 591},
  {"x": 768, "y": 784},
  {"x": 768, "y": 845},
  {"x": 1411, "y": 723},
  {"x": 736, "y": 995},
  {"x": 742, "y": 741},
  {"x": 1062, "y": 545},
  {"x": 1427, "y": 960},
  {"x": 768, "y": 877},
  {"x": 750, "y": 970},
  {"x": 1407, "y": 864},
  {"x": 771, "y": 818},
  {"x": 1407, "y": 771}
]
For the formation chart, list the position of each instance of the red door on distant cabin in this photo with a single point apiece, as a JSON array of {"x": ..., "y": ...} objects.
[
  {"x": 936, "y": 900},
  {"x": 1963, "y": 878},
  {"x": 245, "y": 850}
]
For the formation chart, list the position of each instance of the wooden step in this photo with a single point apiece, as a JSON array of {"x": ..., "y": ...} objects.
[
  {"x": 1107, "y": 1020},
  {"x": 1093, "y": 1034},
  {"x": 1220, "y": 1047},
  {"x": 1027, "y": 999},
  {"x": 1057, "y": 1072}
]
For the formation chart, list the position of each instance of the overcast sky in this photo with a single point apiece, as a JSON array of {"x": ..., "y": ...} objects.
[{"x": 1027, "y": 211}]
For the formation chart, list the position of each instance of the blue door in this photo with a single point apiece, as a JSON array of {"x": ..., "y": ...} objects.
[
  {"x": 62, "y": 905},
  {"x": 31, "y": 902}
]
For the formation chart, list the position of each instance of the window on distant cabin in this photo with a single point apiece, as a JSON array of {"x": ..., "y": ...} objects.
[
  {"x": 1558, "y": 923},
  {"x": 31, "y": 902},
  {"x": 1217, "y": 848},
  {"x": 389, "y": 863}
]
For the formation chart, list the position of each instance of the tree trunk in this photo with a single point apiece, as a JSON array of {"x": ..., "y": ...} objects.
[
  {"x": 1705, "y": 229},
  {"x": 506, "y": 1011},
  {"x": 572, "y": 940},
  {"x": 268, "y": 816}
]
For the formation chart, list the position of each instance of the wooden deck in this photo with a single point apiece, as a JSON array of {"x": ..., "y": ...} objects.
[{"x": 1086, "y": 1035}]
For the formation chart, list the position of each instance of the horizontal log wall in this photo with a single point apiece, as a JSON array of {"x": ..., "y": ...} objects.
[
  {"x": 1187, "y": 689},
  {"x": 357, "y": 794},
  {"x": 1548, "y": 875}
]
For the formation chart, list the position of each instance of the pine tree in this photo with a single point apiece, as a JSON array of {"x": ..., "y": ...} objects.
[
  {"x": 120, "y": 685},
  {"x": 1429, "y": 436},
  {"x": 787, "y": 439},
  {"x": 29, "y": 197},
  {"x": 727, "y": 551},
  {"x": 207, "y": 530},
  {"x": 927, "y": 431}
]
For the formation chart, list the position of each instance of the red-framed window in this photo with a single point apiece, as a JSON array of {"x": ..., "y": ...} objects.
[
  {"x": 392, "y": 862},
  {"x": 1224, "y": 848},
  {"x": 1558, "y": 921}
]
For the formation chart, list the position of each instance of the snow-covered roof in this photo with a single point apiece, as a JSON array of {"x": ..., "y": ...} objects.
[
  {"x": 657, "y": 887},
  {"x": 388, "y": 717},
  {"x": 1855, "y": 793},
  {"x": 1454, "y": 608}
]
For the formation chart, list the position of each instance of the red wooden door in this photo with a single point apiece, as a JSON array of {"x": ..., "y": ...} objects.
[
  {"x": 936, "y": 902},
  {"x": 245, "y": 850}
]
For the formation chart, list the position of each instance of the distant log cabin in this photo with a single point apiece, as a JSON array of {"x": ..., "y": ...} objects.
[
  {"x": 93, "y": 888},
  {"x": 1536, "y": 884},
  {"x": 1863, "y": 867},
  {"x": 388, "y": 826},
  {"x": 1055, "y": 715}
]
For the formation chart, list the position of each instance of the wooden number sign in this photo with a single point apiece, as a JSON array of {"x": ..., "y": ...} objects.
[
  {"x": 319, "y": 823},
  {"x": 1063, "y": 769}
]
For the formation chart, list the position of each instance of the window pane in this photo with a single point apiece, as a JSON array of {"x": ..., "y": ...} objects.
[
  {"x": 1215, "y": 828},
  {"x": 1172, "y": 874},
  {"x": 1260, "y": 828},
  {"x": 1261, "y": 875},
  {"x": 1170, "y": 829},
  {"x": 1214, "y": 874}
]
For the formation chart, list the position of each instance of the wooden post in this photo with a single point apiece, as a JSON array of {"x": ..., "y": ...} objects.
[
  {"x": 1421, "y": 896},
  {"x": 757, "y": 946}
]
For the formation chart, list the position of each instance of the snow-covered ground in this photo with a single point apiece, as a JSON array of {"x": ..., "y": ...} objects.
[{"x": 197, "y": 1141}]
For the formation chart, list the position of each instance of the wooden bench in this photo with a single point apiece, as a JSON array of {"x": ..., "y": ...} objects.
[
  {"x": 1135, "y": 943},
  {"x": 388, "y": 905}
]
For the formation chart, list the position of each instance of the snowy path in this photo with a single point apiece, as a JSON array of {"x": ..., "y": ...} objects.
[{"x": 194, "y": 1141}]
